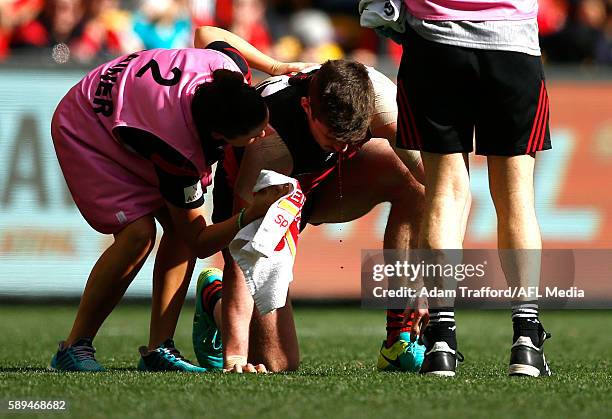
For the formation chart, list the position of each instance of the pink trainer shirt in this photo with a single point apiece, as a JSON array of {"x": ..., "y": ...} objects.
[
  {"x": 473, "y": 10},
  {"x": 152, "y": 91},
  {"x": 148, "y": 90}
]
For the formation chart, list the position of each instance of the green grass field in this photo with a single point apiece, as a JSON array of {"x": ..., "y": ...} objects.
[{"x": 337, "y": 378}]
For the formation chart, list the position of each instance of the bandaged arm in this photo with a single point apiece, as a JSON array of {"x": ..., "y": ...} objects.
[{"x": 384, "y": 121}]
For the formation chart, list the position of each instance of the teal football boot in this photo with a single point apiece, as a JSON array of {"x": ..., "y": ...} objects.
[
  {"x": 206, "y": 336},
  {"x": 165, "y": 358}
]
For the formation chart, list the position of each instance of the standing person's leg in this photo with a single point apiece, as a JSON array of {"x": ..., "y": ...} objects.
[
  {"x": 519, "y": 241},
  {"x": 447, "y": 199},
  {"x": 437, "y": 96},
  {"x": 107, "y": 282},
  {"x": 396, "y": 319},
  {"x": 447, "y": 195},
  {"x": 518, "y": 233},
  {"x": 111, "y": 276},
  {"x": 174, "y": 263},
  {"x": 510, "y": 134}
]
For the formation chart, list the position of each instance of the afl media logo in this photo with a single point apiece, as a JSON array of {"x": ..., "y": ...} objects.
[{"x": 193, "y": 193}]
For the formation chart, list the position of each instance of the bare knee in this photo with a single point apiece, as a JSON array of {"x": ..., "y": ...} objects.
[
  {"x": 144, "y": 236},
  {"x": 455, "y": 192},
  {"x": 140, "y": 235},
  {"x": 511, "y": 185},
  {"x": 513, "y": 204},
  {"x": 447, "y": 181}
]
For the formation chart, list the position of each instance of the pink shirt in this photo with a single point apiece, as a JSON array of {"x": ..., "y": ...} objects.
[
  {"x": 473, "y": 10},
  {"x": 152, "y": 91}
]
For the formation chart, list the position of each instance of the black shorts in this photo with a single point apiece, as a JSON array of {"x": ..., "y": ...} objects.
[{"x": 448, "y": 96}]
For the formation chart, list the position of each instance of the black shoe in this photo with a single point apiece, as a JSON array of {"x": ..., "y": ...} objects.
[
  {"x": 441, "y": 360},
  {"x": 526, "y": 359}
]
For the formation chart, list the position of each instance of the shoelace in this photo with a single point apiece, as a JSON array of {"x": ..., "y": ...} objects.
[
  {"x": 84, "y": 352},
  {"x": 176, "y": 354}
]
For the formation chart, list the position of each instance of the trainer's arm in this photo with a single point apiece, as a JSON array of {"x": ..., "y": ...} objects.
[
  {"x": 206, "y": 240},
  {"x": 384, "y": 122},
  {"x": 204, "y": 35}
]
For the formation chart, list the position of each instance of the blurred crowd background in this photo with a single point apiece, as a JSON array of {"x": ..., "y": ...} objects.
[{"x": 571, "y": 31}]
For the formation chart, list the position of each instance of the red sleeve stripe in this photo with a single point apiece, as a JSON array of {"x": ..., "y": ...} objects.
[
  {"x": 248, "y": 76},
  {"x": 230, "y": 165}
]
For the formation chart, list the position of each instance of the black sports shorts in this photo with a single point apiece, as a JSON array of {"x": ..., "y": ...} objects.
[{"x": 448, "y": 96}]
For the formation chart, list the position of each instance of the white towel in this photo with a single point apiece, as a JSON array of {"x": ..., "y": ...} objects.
[
  {"x": 265, "y": 249},
  {"x": 383, "y": 14}
]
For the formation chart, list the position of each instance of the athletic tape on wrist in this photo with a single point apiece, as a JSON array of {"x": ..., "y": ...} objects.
[{"x": 232, "y": 360}]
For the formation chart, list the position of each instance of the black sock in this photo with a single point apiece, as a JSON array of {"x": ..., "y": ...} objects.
[
  {"x": 441, "y": 327},
  {"x": 525, "y": 321}
]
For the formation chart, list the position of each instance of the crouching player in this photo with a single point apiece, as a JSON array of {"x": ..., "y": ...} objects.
[{"x": 341, "y": 114}]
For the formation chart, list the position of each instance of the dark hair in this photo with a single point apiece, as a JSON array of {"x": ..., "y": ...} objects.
[
  {"x": 227, "y": 105},
  {"x": 342, "y": 97}
]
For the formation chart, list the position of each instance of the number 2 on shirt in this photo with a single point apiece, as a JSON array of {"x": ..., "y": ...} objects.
[{"x": 154, "y": 67}]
